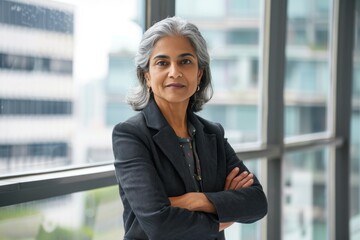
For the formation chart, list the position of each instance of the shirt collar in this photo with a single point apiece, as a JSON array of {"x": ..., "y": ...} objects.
[{"x": 192, "y": 129}]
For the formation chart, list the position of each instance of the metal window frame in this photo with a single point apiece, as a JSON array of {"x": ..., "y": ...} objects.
[
  {"x": 342, "y": 66},
  {"x": 275, "y": 17},
  {"x": 32, "y": 186},
  {"x": 157, "y": 10}
]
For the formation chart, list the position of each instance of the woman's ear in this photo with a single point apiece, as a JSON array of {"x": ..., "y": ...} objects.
[
  {"x": 147, "y": 78},
  {"x": 200, "y": 74}
]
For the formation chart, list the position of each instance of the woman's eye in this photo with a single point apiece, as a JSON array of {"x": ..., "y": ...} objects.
[
  {"x": 161, "y": 63},
  {"x": 186, "y": 61}
]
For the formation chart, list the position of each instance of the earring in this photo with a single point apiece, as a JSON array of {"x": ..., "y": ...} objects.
[
  {"x": 149, "y": 89},
  {"x": 198, "y": 88}
]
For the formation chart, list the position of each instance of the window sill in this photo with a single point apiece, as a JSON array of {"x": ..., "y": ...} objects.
[{"x": 14, "y": 190}]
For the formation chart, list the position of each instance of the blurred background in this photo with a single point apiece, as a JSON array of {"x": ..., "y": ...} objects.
[{"x": 65, "y": 69}]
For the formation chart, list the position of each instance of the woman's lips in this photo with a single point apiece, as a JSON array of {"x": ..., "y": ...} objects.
[{"x": 175, "y": 85}]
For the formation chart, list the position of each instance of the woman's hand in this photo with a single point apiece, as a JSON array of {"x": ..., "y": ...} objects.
[
  {"x": 223, "y": 226},
  {"x": 235, "y": 181},
  {"x": 193, "y": 201}
]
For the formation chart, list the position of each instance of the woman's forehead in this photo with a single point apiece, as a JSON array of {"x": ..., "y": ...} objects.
[{"x": 173, "y": 45}]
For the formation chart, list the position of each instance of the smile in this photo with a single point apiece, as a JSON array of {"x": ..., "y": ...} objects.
[{"x": 175, "y": 85}]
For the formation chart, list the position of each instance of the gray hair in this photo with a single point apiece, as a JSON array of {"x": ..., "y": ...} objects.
[{"x": 139, "y": 96}]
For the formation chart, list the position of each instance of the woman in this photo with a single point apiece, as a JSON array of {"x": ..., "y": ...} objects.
[{"x": 178, "y": 177}]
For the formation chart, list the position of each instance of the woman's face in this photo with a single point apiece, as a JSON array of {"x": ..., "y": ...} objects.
[{"x": 173, "y": 73}]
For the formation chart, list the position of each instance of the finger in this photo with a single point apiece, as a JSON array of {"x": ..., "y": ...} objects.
[
  {"x": 230, "y": 177},
  {"x": 245, "y": 182},
  {"x": 248, "y": 183},
  {"x": 238, "y": 180}
]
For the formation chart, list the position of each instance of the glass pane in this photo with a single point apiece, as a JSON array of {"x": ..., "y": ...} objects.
[
  {"x": 307, "y": 72},
  {"x": 305, "y": 190},
  {"x": 95, "y": 214},
  {"x": 355, "y": 136},
  {"x": 232, "y": 31},
  {"x": 248, "y": 231},
  {"x": 65, "y": 67}
]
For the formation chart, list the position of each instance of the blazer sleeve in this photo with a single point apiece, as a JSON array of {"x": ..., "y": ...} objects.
[
  {"x": 145, "y": 193},
  {"x": 245, "y": 205}
]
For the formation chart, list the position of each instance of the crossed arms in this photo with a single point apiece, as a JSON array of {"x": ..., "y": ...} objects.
[{"x": 198, "y": 202}]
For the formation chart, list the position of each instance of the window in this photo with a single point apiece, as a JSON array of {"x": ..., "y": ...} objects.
[
  {"x": 95, "y": 214},
  {"x": 307, "y": 73},
  {"x": 61, "y": 88},
  {"x": 22, "y": 107},
  {"x": 37, "y": 17},
  {"x": 14, "y": 63},
  {"x": 305, "y": 195}
]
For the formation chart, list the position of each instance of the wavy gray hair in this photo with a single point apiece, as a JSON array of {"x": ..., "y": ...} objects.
[{"x": 139, "y": 96}]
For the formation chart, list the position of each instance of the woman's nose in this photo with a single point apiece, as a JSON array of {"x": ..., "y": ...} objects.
[{"x": 174, "y": 71}]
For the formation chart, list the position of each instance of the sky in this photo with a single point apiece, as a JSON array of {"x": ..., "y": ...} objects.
[{"x": 101, "y": 26}]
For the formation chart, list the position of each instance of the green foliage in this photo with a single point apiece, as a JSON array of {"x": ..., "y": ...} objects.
[
  {"x": 16, "y": 212},
  {"x": 92, "y": 200},
  {"x": 103, "y": 195},
  {"x": 61, "y": 233}
]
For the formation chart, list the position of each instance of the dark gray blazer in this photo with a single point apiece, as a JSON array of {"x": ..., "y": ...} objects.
[{"x": 150, "y": 168}]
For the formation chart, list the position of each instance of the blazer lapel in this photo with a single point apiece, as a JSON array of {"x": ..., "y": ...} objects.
[
  {"x": 168, "y": 143},
  {"x": 207, "y": 152}
]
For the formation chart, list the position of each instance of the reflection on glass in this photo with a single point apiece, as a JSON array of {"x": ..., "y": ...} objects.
[
  {"x": 305, "y": 206},
  {"x": 355, "y": 135},
  {"x": 247, "y": 231},
  {"x": 307, "y": 74},
  {"x": 65, "y": 66},
  {"x": 231, "y": 29},
  {"x": 95, "y": 214}
]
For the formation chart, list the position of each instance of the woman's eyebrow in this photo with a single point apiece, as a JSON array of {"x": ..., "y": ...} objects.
[
  {"x": 162, "y": 56},
  {"x": 186, "y": 55}
]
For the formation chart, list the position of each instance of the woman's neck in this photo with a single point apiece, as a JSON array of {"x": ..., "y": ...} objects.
[{"x": 175, "y": 115}]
